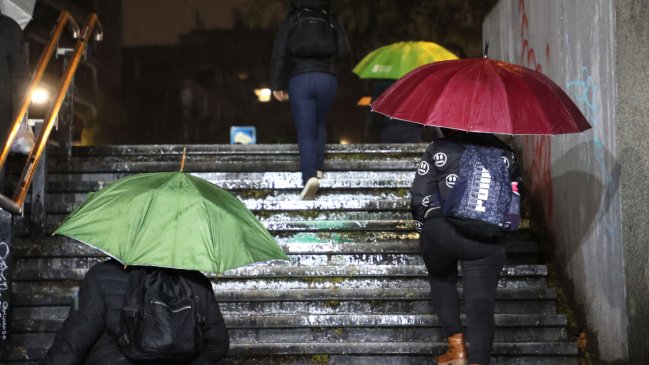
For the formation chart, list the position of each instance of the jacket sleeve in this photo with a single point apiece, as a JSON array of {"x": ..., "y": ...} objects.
[
  {"x": 424, "y": 203},
  {"x": 19, "y": 68},
  {"x": 279, "y": 61},
  {"x": 82, "y": 328},
  {"x": 216, "y": 340}
]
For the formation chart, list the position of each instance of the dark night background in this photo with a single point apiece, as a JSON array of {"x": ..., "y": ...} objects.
[{"x": 184, "y": 71}]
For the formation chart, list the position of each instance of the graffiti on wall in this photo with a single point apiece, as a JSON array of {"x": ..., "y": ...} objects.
[
  {"x": 528, "y": 53},
  {"x": 586, "y": 94},
  {"x": 4, "y": 290},
  {"x": 536, "y": 149}
]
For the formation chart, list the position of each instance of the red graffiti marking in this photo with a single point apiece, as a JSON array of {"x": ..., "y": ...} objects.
[
  {"x": 528, "y": 55},
  {"x": 538, "y": 161},
  {"x": 536, "y": 149}
]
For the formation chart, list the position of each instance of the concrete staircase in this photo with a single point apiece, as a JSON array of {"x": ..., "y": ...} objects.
[{"x": 354, "y": 292}]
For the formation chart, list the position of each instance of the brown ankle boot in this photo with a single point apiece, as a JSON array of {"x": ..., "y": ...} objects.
[{"x": 456, "y": 353}]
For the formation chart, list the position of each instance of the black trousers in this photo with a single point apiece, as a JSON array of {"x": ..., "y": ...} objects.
[{"x": 442, "y": 247}]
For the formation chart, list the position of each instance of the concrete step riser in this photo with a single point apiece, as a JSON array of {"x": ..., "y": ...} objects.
[
  {"x": 61, "y": 246},
  {"x": 331, "y": 265},
  {"x": 232, "y": 165},
  {"x": 289, "y": 283},
  {"x": 285, "y": 215},
  {"x": 62, "y": 293},
  {"x": 335, "y": 334},
  {"x": 427, "y": 359},
  {"x": 360, "y": 227},
  {"x": 377, "y": 306},
  {"x": 328, "y": 307},
  {"x": 91, "y": 181},
  {"x": 352, "y": 335}
]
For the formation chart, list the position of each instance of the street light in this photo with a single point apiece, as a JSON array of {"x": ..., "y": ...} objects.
[
  {"x": 40, "y": 96},
  {"x": 263, "y": 94}
]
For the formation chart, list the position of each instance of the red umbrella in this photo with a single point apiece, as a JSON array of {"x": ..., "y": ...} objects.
[{"x": 482, "y": 95}]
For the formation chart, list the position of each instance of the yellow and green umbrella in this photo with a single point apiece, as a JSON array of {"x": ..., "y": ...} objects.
[
  {"x": 174, "y": 220},
  {"x": 397, "y": 59}
]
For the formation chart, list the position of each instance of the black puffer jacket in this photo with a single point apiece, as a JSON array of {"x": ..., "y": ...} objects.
[
  {"x": 440, "y": 165},
  {"x": 283, "y": 66},
  {"x": 85, "y": 337}
]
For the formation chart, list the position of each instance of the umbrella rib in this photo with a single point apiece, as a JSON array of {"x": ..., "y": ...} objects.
[{"x": 508, "y": 109}]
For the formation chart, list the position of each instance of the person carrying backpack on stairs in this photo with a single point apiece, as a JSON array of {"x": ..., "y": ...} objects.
[
  {"x": 185, "y": 324},
  {"x": 309, "y": 44},
  {"x": 443, "y": 185}
]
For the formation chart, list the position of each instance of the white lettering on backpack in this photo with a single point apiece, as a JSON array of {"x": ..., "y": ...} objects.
[{"x": 483, "y": 191}]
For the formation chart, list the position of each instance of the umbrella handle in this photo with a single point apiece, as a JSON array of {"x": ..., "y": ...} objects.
[{"x": 182, "y": 161}]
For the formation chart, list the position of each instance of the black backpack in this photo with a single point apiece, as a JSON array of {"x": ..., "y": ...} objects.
[
  {"x": 311, "y": 34},
  {"x": 161, "y": 318},
  {"x": 479, "y": 203}
]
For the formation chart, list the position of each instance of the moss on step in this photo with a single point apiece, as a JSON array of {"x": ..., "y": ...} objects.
[
  {"x": 320, "y": 359},
  {"x": 259, "y": 194},
  {"x": 333, "y": 304}
]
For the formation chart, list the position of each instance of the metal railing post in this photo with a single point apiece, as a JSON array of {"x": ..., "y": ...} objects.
[
  {"x": 38, "y": 199},
  {"x": 65, "y": 123}
]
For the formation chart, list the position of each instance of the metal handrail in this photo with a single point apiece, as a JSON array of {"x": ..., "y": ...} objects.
[
  {"x": 15, "y": 205},
  {"x": 64, "y": 19}
]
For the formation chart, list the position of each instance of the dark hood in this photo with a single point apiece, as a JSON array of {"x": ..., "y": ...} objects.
[{"x": 312, "y": 4}]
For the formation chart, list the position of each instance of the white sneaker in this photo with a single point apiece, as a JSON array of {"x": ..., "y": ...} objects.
[{"x": 310, "y": 189}]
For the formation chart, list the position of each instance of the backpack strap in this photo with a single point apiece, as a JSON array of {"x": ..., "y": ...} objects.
[{"x": 201, "y": 305}]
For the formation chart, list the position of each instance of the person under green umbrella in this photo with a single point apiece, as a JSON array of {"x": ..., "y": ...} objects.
[
  {"x": 89, "y": 334},
  {"x": 171, "y": 223},
  {"x": 382, "y": 67}
]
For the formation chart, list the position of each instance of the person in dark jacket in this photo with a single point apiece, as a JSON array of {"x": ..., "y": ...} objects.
[
  {"x": 88, "y": 334},
  {"x": 394, "y": 130},
  {"x": 312, "y": 84},
  {"x": 442, "y": 246},
  {"x": 14, "y": 72}
]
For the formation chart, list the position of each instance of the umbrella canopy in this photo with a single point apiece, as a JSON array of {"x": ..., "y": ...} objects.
[
  {"x": 19, "y": 10},
  {"x": 397, "y": 59},
  {"x": 171, "y": 219},
  {"x": 482, "y": 95}
]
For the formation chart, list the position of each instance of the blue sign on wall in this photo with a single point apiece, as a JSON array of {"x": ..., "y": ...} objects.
[{"x": 243, "y": 134}]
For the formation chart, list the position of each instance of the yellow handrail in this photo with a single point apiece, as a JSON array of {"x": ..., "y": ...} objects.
[
  {"x": 64, "y": 19},
  {"x": 15, "y": 205}
]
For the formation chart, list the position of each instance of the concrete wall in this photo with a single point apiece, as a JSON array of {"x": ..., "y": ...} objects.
[
  {"x": 632, "y": 110},
  {"x": 576, "y": 180}
]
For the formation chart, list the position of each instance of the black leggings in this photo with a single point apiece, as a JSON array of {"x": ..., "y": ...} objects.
[{"x": 442, "y": 247}]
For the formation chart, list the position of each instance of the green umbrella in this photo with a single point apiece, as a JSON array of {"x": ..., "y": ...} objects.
[
  {"x": 171, "y": 219},
  {"x": 397, "y": 59}
]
